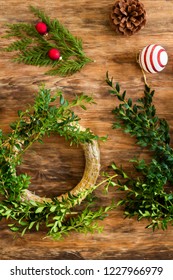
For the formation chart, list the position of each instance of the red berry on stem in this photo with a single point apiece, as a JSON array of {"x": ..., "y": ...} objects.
[
  {"x": 41, "y": 27},
  {"x": 54, "y": 54}
]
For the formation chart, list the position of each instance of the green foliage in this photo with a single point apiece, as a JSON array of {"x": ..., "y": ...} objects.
[
  {"x": 38, "y": 120},
  {"x": 32, "y": 48},
  {"x": 145, "y": 193}
]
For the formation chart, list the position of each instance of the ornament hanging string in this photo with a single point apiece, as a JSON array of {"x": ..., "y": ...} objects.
[{"x": 143, "y": 72}]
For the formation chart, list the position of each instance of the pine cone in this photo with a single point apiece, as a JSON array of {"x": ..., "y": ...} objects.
[{"x": 127, "y": 16}]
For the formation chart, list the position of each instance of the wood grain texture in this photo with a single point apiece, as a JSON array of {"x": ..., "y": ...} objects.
[{"x": 55, "y": 167}]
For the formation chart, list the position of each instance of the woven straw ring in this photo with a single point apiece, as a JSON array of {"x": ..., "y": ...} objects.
[{"x": 90, "y": 175}]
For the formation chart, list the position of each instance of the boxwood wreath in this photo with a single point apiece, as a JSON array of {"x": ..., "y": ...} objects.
[{"x": 67, "y": 212}]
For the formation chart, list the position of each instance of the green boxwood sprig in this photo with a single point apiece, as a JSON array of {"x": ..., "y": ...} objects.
[{"x": 146, "y": 195}]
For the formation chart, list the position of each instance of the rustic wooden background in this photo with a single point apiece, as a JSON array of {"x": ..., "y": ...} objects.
[{"x": 54, "y": 165}]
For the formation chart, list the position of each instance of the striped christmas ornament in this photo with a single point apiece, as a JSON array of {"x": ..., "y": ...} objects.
[{"x": 153, "y": 58}]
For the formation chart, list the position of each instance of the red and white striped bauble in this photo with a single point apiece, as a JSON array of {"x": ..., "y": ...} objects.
[{"x": 153, "y": 58}]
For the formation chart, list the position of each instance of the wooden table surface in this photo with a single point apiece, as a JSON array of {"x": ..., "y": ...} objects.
[{"x": 55, "y": 166}]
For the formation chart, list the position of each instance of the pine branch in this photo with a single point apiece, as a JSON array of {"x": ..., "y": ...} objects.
[
  {"x": 33, "y": 48},
  {"x": 20, "y": 30},
  {"x": 35, "y": 56},
  {"x": 41, "y": 15},
  {"x": 58, "y": 31},
  {"x": 19, "y": 45},
  {"x": 67, "y": 68}
]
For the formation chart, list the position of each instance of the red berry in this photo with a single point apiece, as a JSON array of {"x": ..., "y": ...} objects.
[
  {"x": 41, "y": 27},
  {"x": 54, "y": 54}
]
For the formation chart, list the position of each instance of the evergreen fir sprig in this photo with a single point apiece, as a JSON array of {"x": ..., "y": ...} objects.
[
  {"x": 145, "y": 193},
  {"x": 59, "y": 216},
  {"x": 32, "y": 48}
]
